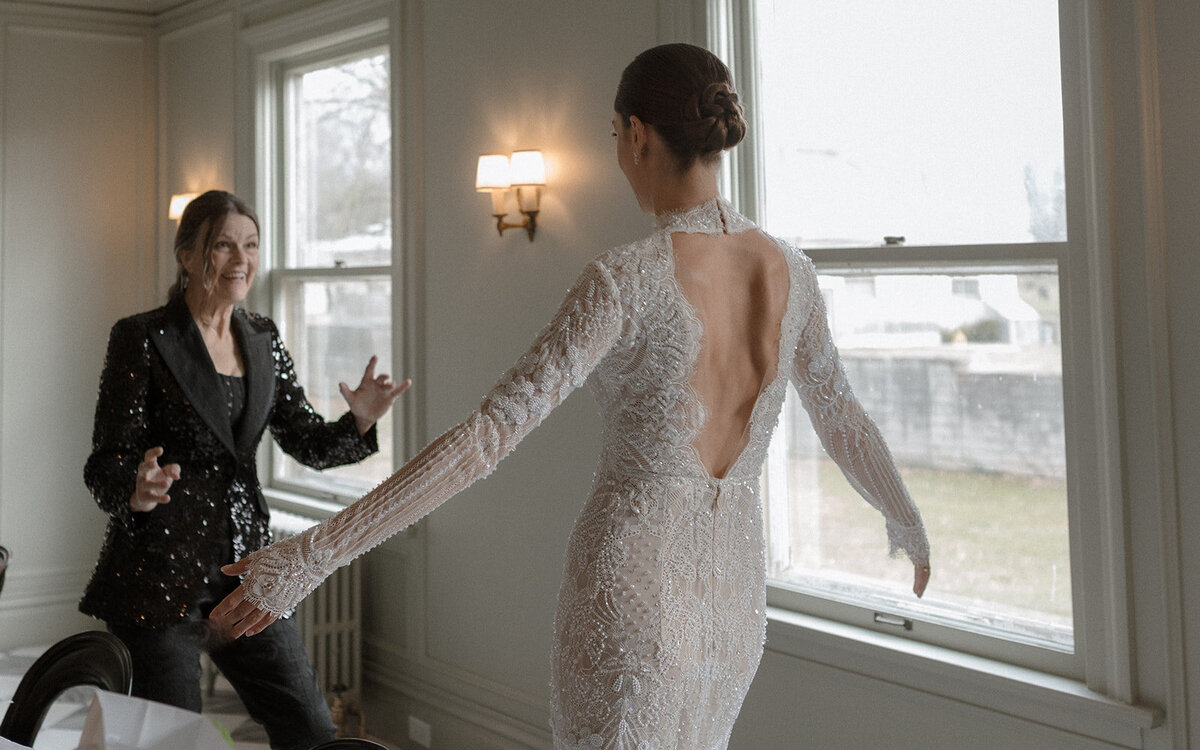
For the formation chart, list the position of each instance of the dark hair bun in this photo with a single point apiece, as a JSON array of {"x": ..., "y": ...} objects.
[
  {"x": 686, "y": 93},
  {"x": 720, "y": 123}
]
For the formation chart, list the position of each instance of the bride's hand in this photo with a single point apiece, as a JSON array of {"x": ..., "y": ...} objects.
[
  {"x": 235, "y": 615},
  {"x": 920, "y": 579}
]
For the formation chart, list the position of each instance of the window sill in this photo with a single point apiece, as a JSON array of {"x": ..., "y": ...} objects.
[
  {"x": 1050, "y": 700},
  {"x": 295, "y": 511},
  {"x": 300, "y": 504}
]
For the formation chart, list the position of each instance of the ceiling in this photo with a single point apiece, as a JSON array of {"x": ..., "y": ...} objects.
[{"x": 148, "y": 7}]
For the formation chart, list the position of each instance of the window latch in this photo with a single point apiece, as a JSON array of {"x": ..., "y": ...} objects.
[{"x": 893, "y": 620}]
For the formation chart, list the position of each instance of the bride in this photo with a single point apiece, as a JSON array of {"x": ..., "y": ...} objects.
[{"x": 688, "y": 339}]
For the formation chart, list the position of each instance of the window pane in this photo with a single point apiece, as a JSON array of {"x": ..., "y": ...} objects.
[
  {"x": 963, "y": 376},
  {"x": 939, "y": 121},
  {"x": 332, "y": 328},
  {"x": 338, "y": 165}
]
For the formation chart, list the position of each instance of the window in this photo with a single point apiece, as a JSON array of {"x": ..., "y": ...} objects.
[
  {"x": 916, "y": 152},
  {"x": 965, "y": 287},
  {"x": 330, "y": 178}
]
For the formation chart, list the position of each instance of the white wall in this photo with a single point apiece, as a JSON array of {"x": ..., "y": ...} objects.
[
  {"x": 459, "y": 613},
  {"x": 76, "y": 142},
  {"x": 524, "y": 76},
  {"x": 197, "y": 118}
]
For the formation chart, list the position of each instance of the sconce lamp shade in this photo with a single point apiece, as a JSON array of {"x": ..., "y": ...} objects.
[
  {"x": 492, "y": 173},
  {"x": 525, "y": 173},
  {"x": 178, "y": 203},
  {"x": 528, "y": 168}
]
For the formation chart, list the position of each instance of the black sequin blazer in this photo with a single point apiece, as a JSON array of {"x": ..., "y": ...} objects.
[{"x": 159, "y": 387}]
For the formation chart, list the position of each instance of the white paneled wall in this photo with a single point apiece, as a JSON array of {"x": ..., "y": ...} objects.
[
  {"x": 76, "y": 143},
  {"x": 196, "y": 117}
]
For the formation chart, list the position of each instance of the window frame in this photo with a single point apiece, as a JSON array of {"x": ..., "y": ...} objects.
[
  {"x": 283, "y": 73},
  {"x": 1101, "y": 658},
  {"x": 273, "y": 50}
]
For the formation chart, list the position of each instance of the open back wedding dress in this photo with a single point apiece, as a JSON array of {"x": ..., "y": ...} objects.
[{"x": 662, "y": 613}]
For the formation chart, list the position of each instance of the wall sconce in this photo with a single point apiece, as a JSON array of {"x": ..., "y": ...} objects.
[
  {"x": 178, "y": 203},
  {"x": 525, "y": 171}
]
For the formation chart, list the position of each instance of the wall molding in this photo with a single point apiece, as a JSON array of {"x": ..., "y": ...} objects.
[
  {"x": 42, "y": 588},
  {"x": 398, "y": 662},
  {"x": 458, "y": 698},
  {"x": 56, "y": 532},
  {"x": 275, "y": 38},
  {"x": 125, "y": 7},
  {"x": 55, "y": 13}
]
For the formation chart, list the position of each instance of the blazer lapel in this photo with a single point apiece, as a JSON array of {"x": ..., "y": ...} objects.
[
  {"x": 260, "y": 380},
  {"x": 183, "y": 350}
]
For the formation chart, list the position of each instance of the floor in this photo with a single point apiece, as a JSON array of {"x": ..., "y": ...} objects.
[{"x": 63, "y": 723}]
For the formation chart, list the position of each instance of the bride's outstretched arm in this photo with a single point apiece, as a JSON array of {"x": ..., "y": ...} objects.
[
  {"x": 277, "y": 577},
  {"x": 851, "y": 438}
]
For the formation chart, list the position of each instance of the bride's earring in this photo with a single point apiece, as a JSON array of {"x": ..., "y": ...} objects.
[{"x": 637, "y": 157}]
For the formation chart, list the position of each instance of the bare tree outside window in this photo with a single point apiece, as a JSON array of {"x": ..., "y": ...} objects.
[
  {"x": 340, "y": 181},
  {"x": 334, "y": 291}
]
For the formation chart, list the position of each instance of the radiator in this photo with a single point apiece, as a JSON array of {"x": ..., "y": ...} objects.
[{"x": 330, "y": 620}]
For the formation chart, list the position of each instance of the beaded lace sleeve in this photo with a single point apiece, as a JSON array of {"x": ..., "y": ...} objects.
[
  {"x": 850, "y": 436},
  {"x": 560, "y": 359}
]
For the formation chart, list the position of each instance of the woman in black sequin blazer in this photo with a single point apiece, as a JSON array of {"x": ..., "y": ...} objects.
[{"x": 186, "y": 394}]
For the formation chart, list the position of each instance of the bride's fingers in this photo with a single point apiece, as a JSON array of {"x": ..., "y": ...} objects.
[
  {"x": 226, "y": 606},
  {"x": 236, "y": 568},
  {"x": 242, "y": 620},
  {"x": 920, "y": 579},
  {"x": 264, "y": 622},
  {"x": 253, "y": 623},
  {"x": 233, "y": 612}
]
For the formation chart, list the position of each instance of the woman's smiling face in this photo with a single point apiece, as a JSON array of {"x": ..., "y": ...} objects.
[{"x": 233, "y": 260}]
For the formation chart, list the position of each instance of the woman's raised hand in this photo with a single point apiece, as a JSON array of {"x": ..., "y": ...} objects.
[
  {"x": 153, "y": 481},
  {"x": 373, "y": 396}
]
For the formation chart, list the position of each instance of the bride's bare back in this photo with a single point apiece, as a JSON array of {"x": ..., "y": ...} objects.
[{"x": 737, "y": 285}]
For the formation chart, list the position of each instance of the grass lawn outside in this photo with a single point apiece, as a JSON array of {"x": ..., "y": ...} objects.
[{"x": 999, "y": 543}]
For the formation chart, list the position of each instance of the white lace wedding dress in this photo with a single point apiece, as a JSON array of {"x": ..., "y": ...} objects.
[{"x": 661, "y": 614}]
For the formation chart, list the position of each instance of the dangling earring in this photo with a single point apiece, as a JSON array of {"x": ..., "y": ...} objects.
[{"x": 636, "y": 157}]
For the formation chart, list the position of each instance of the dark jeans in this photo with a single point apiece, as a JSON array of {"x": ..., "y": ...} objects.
[{"x": 270, "y": 672}]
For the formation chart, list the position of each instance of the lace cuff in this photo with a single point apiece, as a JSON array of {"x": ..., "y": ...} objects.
[
  {"x": 908, "y": 539},
  {"x": 281, "y": 575}
]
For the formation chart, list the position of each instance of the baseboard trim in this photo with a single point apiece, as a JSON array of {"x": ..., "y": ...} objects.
[{"x": 510, "y": 732}]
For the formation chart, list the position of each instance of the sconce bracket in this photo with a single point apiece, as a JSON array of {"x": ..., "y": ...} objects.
[{"x": 529, "y": 224}]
